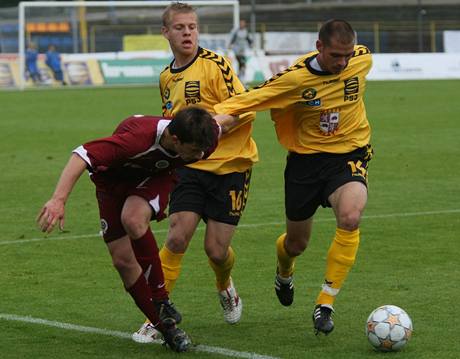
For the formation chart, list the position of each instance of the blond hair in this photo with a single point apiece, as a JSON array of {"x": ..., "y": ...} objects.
[{"x": 176, "y": 7}]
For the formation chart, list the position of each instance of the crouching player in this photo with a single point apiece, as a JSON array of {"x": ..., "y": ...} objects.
[{"x": 132, "y": 172}]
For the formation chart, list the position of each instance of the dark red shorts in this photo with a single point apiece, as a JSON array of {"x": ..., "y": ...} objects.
[{"x": 111, "y": 195}]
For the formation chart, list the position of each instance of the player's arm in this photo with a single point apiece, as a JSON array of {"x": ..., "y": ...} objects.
[
  {"x": 274, "y": 93},
  {"x": 278, "y": 92},
  {"x": 53, "y": 211},
  {"x": 224, "y": 90}
]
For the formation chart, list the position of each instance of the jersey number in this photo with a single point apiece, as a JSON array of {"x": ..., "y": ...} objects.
[
  {"x": 357, "y": 169},
  {"x": 237, "y": 200}
]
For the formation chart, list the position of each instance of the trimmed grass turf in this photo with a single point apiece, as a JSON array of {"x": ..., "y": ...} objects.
[{"x": 407, "y": 260}]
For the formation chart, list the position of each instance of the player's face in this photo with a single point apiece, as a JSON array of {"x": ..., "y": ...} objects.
[
  {"x": 189, "y": 152},
  {"x": 182, "y": 33},
  {"x": 335, "y": 56}
]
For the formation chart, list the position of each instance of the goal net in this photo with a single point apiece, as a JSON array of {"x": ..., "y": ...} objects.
[{"x": 111, "y": 42}]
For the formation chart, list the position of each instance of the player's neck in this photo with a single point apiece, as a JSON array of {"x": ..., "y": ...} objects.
[
  {"x": 183, "y": 60},
  {"x": 166, "y": 142}
]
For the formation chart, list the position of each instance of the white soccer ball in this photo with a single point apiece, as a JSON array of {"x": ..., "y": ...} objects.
[{"x": 388, "y": 328}]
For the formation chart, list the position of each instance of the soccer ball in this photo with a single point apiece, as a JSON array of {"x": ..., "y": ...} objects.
[{"x": 388, "y": 328}]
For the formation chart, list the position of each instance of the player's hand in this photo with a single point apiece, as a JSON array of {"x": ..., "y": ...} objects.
[
  {"x": 52, "y": 213},
  {"x": 226, "y": 122}
]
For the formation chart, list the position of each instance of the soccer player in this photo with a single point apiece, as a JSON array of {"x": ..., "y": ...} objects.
[
  {"x": 132, "y": 172},
  {"x": 319, "y": 114},
  {"x": 215, "y": 189},
  {"x": 240, "y": 42}
]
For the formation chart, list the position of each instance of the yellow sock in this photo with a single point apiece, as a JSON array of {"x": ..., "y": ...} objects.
[
  {"x": 286, "y": 263},
  {"x": 223, "y": 270},
  {"x": 171, "y": 265},
  {"x": 340, "y": 259}
]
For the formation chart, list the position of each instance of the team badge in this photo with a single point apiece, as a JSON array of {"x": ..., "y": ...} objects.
[
  {"x": 162, "y": 164},
  {"x": 329, "y": 122},
  {"x": 309, "y": 93},
  {"x": 104, "y": 226}
]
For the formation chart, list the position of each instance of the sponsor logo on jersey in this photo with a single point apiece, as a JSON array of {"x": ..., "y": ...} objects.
[
  {"x": 192, "y": 92},
  {"x": 315, "y": 103},
  {"x": 168, "y": 105},
  {"x": 178, "y": 79},
  {"x": 330, "y": 81},
  {"x": 351, "y": 89},
  {"x": 309, "y": 93}
]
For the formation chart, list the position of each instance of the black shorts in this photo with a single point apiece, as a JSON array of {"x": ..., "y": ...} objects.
[
  {"x": 218, "y": 197},
  {"x": 309, "y": 179}
]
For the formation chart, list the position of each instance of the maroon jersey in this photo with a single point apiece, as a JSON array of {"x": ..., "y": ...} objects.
[{"x": 133, "y": 151}]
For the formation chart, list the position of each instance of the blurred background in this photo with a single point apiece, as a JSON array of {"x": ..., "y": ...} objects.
[{"x": 278, "y": 28}]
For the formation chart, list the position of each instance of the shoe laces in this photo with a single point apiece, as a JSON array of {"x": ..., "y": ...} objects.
[{"x": 228, "y": 300}]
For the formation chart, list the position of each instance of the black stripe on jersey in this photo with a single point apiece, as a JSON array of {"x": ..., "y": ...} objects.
[
  {"x": 223, "y": 66},
  {"x": 361, "y": 50},
  {"x": 278, "y": 75}
]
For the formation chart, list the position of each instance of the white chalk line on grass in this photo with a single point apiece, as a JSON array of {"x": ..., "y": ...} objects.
[
  {"x": 245, "y": 225},
  {"x": 123, "y": 335}
]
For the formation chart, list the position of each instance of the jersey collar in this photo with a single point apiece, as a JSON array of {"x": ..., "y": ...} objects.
[
  {"x": 308, "y": 61},
  {"x": 180, "y": 69}
]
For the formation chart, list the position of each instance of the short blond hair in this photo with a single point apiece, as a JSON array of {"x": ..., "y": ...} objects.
[{"x": 176, "y": 7}]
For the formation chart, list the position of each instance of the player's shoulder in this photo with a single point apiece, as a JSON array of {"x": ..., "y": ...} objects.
[
  {"x": 139, "y": 123},
  {"x": 212, "y": 57},
  {"x": 165, "y": 71},
  {"x": 361, "y": 50}
]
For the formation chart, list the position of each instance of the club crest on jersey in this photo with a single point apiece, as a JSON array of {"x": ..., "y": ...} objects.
[
  {"x": 192, "y": 92},
  {"x": 309, "y": 93},
  {"x": 168, "y": 105},
  {"x": 104, "y": 226},
  {"x": 166, "y": 93},
  {"x": 161, "y": 164},
  {"x": 351, "y": 89},
  {"x": 329, "y": 122}
]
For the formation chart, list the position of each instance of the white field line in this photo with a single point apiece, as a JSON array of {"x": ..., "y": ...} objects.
[
  {"x": 123, "y": 335},
  {"x": 245, "y": 225}
]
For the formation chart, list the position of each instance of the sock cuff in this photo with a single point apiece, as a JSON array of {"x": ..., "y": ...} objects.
[
  {"x": 280, "y": 245},
  {"x": 346, "y": 237},
  {"x": 168, "y": 257},
  {"x": 228, "y": 262}
]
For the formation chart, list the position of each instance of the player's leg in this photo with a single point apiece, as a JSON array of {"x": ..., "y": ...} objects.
[
  {"x": 125, "y": 262},
  {"x": 185, "y": 208},
  {"x": 144, "y": 203},
  {"x": 227, "y": 195},
  {"x": 221, "y": 258},
  {"x": 135, "y": 217},
  {"x": 301, "y": 191},
  {"x": 347, "y": 195},
  {"x": 182, "y": 226},
  {"x": 288, "y": 246}
]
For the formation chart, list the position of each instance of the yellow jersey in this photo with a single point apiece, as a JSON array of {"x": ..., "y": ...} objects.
[
  {"x": 313, "y": 111},
  {"x": 206, "y": 81}
]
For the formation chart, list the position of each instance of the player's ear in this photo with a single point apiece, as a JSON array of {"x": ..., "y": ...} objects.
[
  {"x": 164, "y": 32},
  {"x": 319, "y": 45}
]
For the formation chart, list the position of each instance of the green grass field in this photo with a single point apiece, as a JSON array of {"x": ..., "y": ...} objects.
[{"x": 57, "y": 292}]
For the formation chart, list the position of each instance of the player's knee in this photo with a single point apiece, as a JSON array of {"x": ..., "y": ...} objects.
[
  {"x": 177, "y": 242},
  {"x": 349, "y": 220},
  {"x": 295, "y": 246},
  {"x": 134, "y": 226},
  {"x": 217, "y": 255},
  {"x": 121, "y": 263}
]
